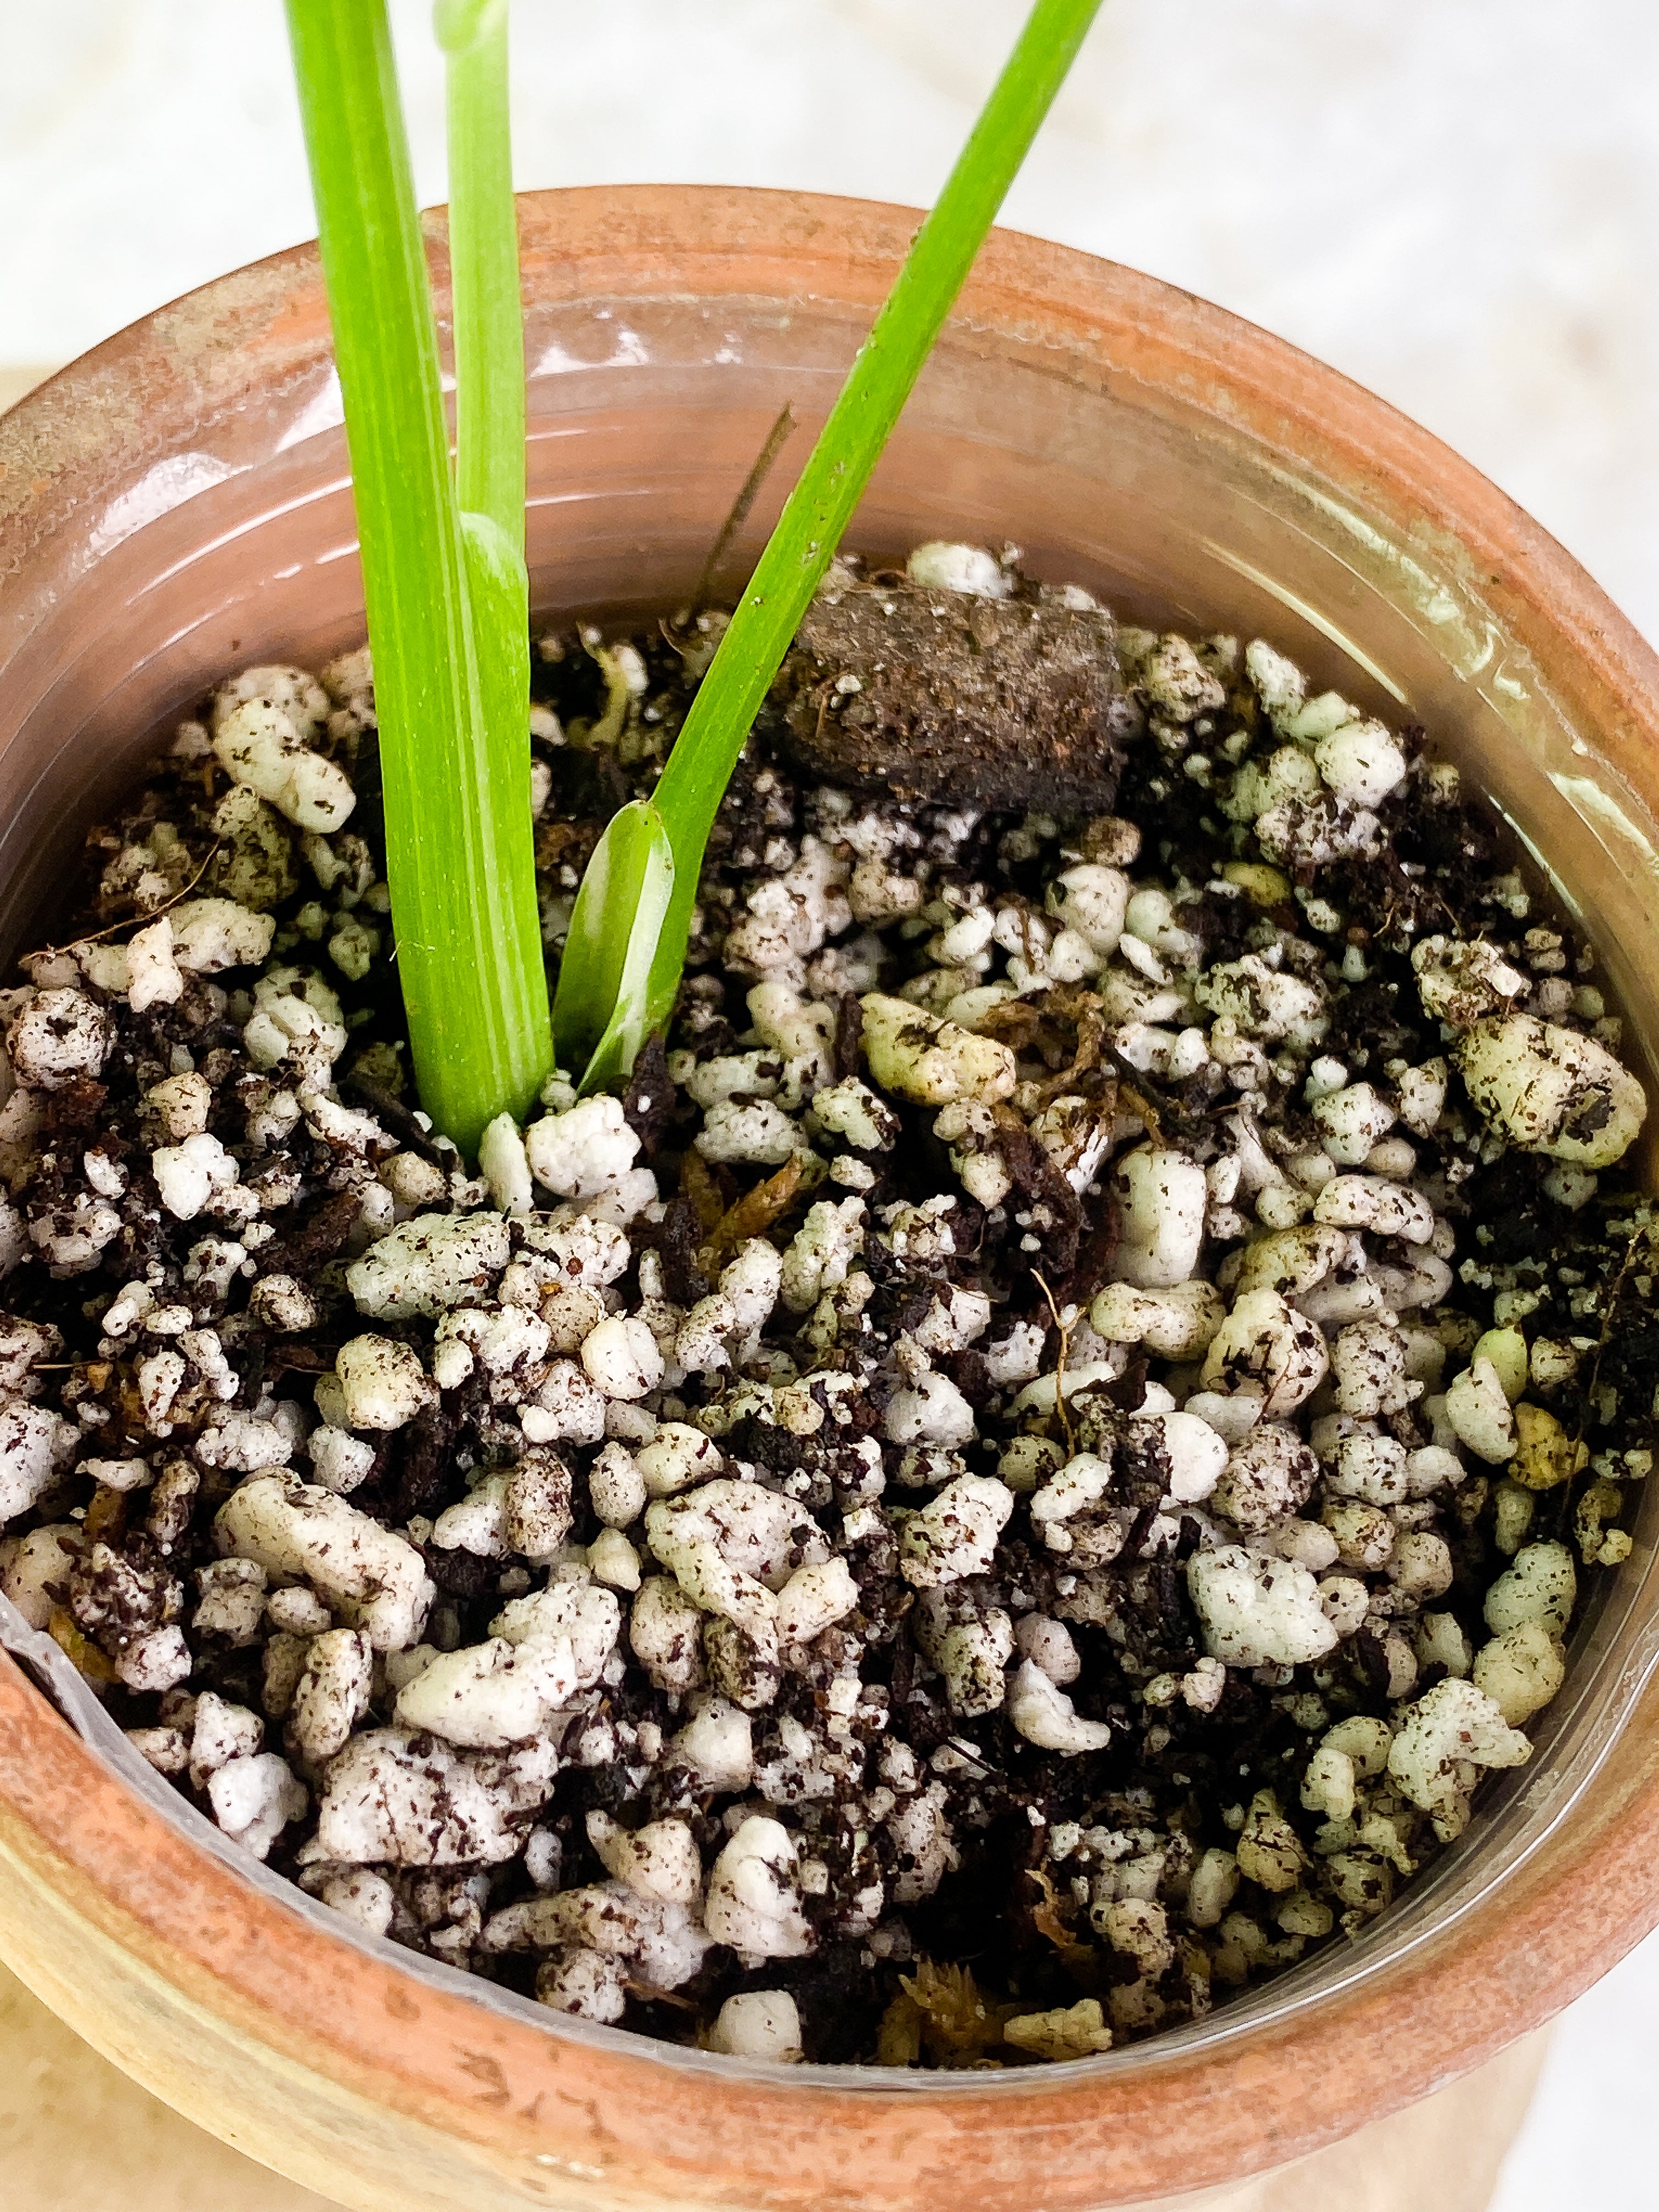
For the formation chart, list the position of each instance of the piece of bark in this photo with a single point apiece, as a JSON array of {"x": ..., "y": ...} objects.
[{"x": 937, "y": 695}]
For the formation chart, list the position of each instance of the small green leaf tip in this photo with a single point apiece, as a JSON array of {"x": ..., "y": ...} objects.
[{"x": 603, "y": 1010}]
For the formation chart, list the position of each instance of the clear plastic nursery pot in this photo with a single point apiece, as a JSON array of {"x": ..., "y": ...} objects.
[{"x": 176, "y": 504}]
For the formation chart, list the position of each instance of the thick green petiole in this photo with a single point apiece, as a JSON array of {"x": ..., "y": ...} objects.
[{"x": 445, "y": 594}]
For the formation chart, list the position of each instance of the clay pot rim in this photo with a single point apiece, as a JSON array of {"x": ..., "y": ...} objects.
[{"x": 1191, "y": 2117}]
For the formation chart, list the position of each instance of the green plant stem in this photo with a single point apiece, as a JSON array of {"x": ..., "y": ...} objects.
[
  {"x": 483, "y": 248},
  {"x": 460, "y": 840},
  {"x": 821, "y": 506}
]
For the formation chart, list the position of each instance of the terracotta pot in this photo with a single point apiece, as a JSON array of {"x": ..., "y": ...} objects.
[{"x": 176, "y": 504}]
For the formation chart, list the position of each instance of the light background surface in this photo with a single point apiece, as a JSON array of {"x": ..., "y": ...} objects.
[{"x": 1455, "y": 201}]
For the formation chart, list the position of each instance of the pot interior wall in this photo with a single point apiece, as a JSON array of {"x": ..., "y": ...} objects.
[{"x": 643, "y": 423}]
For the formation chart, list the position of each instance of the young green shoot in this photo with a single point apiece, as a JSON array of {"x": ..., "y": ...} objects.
[
  {"x": 443, "y": 575},
  {"x": 601, "y": 1008},
  {"x": 821, "y": 506}
]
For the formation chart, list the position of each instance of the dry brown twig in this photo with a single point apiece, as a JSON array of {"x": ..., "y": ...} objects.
[
  {"x": 776, "y": 437},
  {"x": 138, "y": 920},
  {"x": 1064, "y": 1329},
  {"x": 1606, "y": 1336},
  {"x": 1587, "y": 1400},
  {"x": 648, "y": 1994}
]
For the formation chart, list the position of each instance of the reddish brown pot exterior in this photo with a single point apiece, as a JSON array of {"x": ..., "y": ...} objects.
[{"x": 1126, "y": 435}]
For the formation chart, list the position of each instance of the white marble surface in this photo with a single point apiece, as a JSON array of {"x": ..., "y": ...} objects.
[
  {"x": 1455, "y": 201},
  {"x": 1587, "y": 2140}
]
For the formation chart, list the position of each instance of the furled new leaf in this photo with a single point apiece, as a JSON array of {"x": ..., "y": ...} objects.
[{"x": 602, "y": 1010}]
